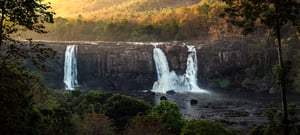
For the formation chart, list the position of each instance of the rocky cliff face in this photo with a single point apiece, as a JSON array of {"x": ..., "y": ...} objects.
[{"x": 130, "y": 66}]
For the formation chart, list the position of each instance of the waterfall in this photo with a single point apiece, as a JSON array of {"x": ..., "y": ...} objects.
[
  {"x": 192, "y": 70},
  {"x": 70, "y": 68},
  {"x": 169, "y": 80},
  {"x": 162, "y": 67}
]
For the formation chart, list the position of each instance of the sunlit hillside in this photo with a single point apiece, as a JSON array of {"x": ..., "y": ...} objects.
[
  {"x": 73, "y": 8},
  {"x": 107, "y": 9},
  {"x": 137, "y": 20}
]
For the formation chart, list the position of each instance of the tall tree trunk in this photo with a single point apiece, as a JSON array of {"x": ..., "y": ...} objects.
[
  {"x": 1, "y": 24},
  {"x": 282, "y": 83}
]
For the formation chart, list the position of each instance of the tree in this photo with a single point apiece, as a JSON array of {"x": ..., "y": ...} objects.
[
  {"x": 170, "y": 115},
  {"x": 29, "y": 14},
  {"x": 146, "y": 125},
  {"x": 203, "y": 127},
  {"x": 122, "y": 108},
  {"x": 16, "y": 15},
  {"x": 17, "y": 83},
  {"x": 274, "y": 14},
  {"x": 95, "y": 124}
]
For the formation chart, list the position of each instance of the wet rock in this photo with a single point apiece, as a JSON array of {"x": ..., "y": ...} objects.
[
  {"x": 209, "y": 105},
  {"x": 228, "y": 103},
  {"x": 273, "y": 90},
  {"x": 194, "y": 102},
  {"x": 227, "y": 122},
  {"x": 236, "y": 114},
  {"x": 163, "y": 98},
  {"x": 245, "y": 123},
  {"x": 149, "y": 92},
  {"x": 171, "y": 92}
]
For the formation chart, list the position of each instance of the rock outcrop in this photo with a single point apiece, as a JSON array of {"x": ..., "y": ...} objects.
[{"x": 130, "y": 66}]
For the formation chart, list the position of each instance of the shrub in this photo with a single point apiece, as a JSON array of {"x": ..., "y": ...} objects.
[
  {"x": 122, "y": 108},
  {"x": 202, "y": 127},
  {"x": 90, "y": 102},
  {"x": 170, "y": 115},
  {"x": 275, "y": 125},
  {"x": 95, "y": 124},
  {"x": 146, "y": 125}
]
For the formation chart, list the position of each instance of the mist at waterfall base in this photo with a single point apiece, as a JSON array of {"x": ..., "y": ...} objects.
[
  {"x": 70, "y": 68},
  {"x": 169, "y": 80}
]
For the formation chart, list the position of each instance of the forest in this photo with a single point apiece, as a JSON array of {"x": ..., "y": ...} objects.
[
  {"x": 146, "y": 20},
  {"x": 30, "y": 107},
  {"x": 198, "y": 21}
]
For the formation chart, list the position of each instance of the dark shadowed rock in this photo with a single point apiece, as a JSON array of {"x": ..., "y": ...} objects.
[
  {"x": 163, "y": 98},
  {"x": 149, "y": 92},
  {"x": 194, "y": 101},
  {"x": 171, "y": 92},
  {"x": 273, "y": 90}
]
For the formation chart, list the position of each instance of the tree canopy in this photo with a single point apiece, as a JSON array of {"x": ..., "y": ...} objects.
[
  {"x": 271, "y": 13},
  {"x": 18, "y": 86},
  {"x": 274, "y": 14},
  {"x": 23, "y": 14}
]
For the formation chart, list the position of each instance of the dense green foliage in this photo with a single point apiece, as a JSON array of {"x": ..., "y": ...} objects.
[
  {"x": 119, "y": 108},
  {"x": 122, "y": 108},
  {"x": 274, "y": 127},
  {"x": 16, "y": 14},
  {"x": 170, "y": 116},
  {"x": 20, "y": 89},
  {"x": 15, "y": 100},
  {"x": 146, "y": 125},
  {"x": 202, "y": 127}
]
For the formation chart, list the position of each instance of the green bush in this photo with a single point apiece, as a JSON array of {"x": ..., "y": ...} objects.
[
  {"x": 223, "y": 82},
  {"x": 202, "y": 127},
  {"x": 170, "y": 115},
  {"x": 95, "y": 124},
  {"x": 89, "y": 102},
  {"x": 56, "y": 121},
  {"x": 275, "y": 125},
  {"x": 122, "y": 108},
  {"x": 146, "y": 125}
]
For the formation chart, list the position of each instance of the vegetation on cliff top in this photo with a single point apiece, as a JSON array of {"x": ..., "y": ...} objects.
[
  {"x": 143, "y": 20},
  {"x": 194, "y": 21}
]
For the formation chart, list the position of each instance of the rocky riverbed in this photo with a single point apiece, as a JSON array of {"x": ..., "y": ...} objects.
[{"x": 237, "y": 109}]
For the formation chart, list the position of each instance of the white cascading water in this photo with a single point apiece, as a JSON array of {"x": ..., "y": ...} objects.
[
  {"x": 70, "y": 68},
  {"x": 169, "y": 80}
]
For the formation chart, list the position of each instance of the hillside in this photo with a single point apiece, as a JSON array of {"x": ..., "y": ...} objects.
[
  {"x": 107, "y": 9},
  {"x": 138, "y": 20}
]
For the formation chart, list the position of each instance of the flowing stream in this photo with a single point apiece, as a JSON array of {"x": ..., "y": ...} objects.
[
  {"x": 169, "y": 80},
  {"x": 70, "y": 68}
]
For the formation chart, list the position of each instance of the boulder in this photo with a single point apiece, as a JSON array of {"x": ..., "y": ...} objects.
[
  {"x": 194, "y": 102},
  {"x": 163, "y": 98}
]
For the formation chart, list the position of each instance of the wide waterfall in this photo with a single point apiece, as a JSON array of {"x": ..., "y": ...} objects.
[
  {"x": 70, "y": 68},
  {"x": 169, "y": 80}
]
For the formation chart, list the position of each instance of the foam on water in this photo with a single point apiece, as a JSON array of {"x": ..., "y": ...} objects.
[{"x": 169, "y": 80}]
